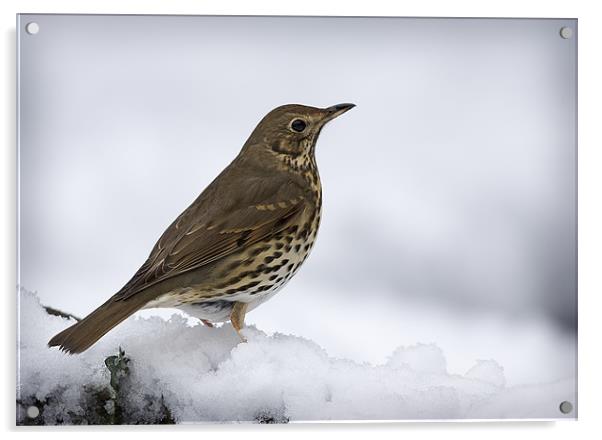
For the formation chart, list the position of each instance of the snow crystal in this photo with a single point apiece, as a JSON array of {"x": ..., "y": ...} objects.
[{"x": 174, "y": 372}]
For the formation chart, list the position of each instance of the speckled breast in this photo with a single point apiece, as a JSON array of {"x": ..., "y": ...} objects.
[{"x": 252, "y": 276}]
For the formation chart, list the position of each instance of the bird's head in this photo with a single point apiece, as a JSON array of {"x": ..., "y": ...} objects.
[{"x": 291, "y": 130}]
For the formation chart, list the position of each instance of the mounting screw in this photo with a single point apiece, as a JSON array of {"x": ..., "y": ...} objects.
[
  {"x": 566, "y": 407},
  {"x": 566, "y": 32},
  {"x": 33, "y": 412},
  {"x": 32, "y": 28}
]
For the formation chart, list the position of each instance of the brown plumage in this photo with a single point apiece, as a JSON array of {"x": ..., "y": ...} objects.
[{"x": 239, "y": 242}]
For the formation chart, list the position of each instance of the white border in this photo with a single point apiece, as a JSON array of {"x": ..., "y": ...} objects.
[{"x": 590, "y": 203}]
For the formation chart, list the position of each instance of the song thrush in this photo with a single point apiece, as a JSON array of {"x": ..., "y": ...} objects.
[{"x": 239, "y": 242}]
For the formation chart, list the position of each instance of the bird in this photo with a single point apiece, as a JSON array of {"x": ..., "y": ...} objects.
[{"x": 239, "y": 242}]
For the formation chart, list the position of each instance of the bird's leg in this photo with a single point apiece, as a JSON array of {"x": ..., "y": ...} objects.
[
  {"x": 237, "y": 317},
  {"x": 207, "y": 323}
]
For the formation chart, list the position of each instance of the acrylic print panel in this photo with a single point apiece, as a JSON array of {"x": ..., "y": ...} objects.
[{"x": 442, "y": 282}]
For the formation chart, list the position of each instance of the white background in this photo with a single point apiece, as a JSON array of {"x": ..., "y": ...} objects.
[{"x": 589, "y": 216}]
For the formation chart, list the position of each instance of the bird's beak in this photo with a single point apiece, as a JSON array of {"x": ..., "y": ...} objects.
[{"x": 335, "y": 111}]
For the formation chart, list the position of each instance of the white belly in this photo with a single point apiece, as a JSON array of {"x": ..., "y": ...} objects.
[
  {"x": 216, "y": 309},
  {"x": 220, "y": 310}
]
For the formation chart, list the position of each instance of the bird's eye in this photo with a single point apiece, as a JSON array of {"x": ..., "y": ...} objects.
[{"x": 298, "y": 125}]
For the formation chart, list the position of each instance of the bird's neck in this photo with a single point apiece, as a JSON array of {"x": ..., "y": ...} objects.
[{"x": 304, "y": 165}]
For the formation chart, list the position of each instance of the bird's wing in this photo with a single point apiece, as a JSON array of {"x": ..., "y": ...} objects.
[{"x": 223, "y": 220}]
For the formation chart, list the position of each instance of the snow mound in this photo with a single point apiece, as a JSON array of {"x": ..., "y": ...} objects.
[{"x": 171, "y": 372}]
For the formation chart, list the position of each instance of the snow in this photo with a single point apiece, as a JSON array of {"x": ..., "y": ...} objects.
[{"x": 203, "y": 374}]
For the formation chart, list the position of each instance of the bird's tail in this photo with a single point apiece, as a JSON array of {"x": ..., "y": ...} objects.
[{"x": 83, "y": 334}]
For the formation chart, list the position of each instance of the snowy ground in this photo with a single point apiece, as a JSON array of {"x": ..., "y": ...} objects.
[
  {"x": 201, "y": 374},
  {"x": 531, "y": 347}
]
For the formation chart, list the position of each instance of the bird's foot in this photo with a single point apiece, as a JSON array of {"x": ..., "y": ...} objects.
[
  {"x": 242, "y": 338},
  {"x": 237, "y": 318},
  {"x": 207, "y": 323}
]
